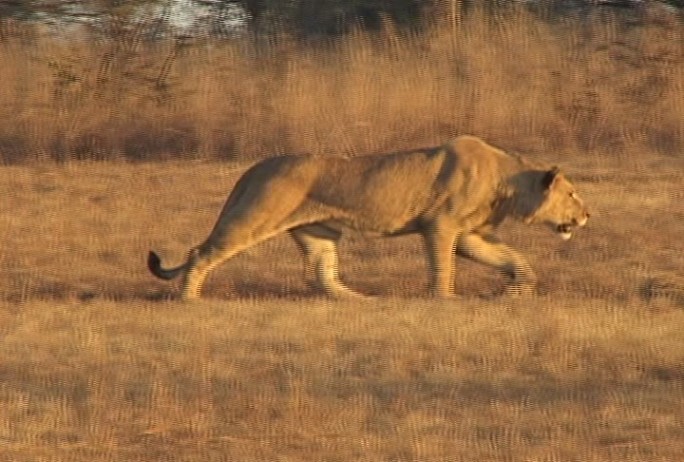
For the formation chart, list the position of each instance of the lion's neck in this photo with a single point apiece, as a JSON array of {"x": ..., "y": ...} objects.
[{"x": 516, "y": 191}]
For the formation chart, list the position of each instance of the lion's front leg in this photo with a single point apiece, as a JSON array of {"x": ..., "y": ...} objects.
[
  {"x": 439, "y": 245},
  {"x": 490, "y": 251}
]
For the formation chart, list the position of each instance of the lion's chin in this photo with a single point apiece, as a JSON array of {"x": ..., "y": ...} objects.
[{"x": 564, "y": 231}]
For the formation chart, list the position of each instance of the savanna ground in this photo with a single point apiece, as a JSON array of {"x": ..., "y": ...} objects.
[{"x": 99, "y": 362}]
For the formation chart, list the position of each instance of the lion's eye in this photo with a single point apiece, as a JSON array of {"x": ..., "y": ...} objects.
[{"x": 572, "y": 194}]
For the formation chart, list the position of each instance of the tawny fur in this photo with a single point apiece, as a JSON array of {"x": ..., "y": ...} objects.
[{"x": 454, "y": 195}]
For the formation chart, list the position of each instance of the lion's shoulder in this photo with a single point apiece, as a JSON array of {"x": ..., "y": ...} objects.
[{"x": 475, "y": 149}]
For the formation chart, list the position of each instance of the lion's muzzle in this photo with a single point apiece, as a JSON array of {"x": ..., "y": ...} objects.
[{"x": 565, "y": 230}]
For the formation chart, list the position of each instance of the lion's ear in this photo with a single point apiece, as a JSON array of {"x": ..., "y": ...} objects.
[{"x": 550, "y": 176}]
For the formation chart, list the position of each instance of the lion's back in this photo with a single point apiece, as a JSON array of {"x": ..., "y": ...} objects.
[{"x": 383, "y": 193}]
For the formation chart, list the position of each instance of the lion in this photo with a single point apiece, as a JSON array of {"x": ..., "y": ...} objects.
[{"x": 454, "y": 196}]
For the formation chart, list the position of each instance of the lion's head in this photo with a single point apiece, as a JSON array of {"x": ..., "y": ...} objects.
[
  {"x": 548, "y": 197},
  {"x": 561, "y": 209}
]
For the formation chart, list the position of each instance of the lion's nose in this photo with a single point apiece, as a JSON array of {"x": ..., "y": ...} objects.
[{"x": 582, "y": 221}]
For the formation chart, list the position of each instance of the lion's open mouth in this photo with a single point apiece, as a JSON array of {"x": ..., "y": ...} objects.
[{"x": 564, "y": 230}]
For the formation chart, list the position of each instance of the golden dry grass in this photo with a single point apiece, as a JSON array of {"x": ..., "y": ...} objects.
[
  {"x": 596, "y": 86},
  {"x": 398, "y": 379},
  {"x": 97, "y": 363}
]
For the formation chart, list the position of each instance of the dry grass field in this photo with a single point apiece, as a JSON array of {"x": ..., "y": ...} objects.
[{"x": 98, "y": 362}]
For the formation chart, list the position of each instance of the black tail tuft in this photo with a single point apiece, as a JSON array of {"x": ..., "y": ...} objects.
[{"x": 154, "y": 264}]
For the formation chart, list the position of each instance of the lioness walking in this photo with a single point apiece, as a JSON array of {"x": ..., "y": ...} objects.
[{"x": 454, "y": 195}]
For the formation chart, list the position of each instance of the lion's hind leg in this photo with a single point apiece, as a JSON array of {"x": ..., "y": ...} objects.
[
  {"x": 236, "y": 231},
  {"x": 492, "y": 252},
  {"x": 262, "y": 205},
  {"x": 201, "y": 261},
  {"x": 319, "y": 246}
]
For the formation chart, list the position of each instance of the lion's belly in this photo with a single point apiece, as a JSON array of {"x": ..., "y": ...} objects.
[
  {"x": 373, "y": 226},
  {"x": 392, "y": 219}
]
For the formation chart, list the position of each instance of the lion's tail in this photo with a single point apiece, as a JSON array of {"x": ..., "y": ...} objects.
[{"x": 154, "y": 265}]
